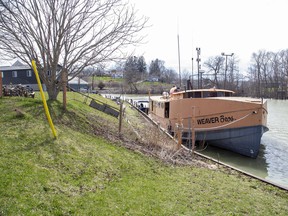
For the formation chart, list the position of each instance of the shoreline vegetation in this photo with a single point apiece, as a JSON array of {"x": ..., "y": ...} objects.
[{"x": 92, "y": 170}]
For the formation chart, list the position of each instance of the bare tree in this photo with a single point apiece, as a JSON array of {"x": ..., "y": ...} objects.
[
  {"x": 67, "y": 34},
  {"x": 255, "y": 72},
  {"x": 283, "y": 73},
  {"x": 269, "y": 74},
  {"x": 274, "y": 75},
  {"x": 170, "y": 76},
  {"x": 259, "y": 71},
  {"x": 185, "y": 75},
  {"x": 233, "y": 73},
  {"x": 215, "y": 65}
]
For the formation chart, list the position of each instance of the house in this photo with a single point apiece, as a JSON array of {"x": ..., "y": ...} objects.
[
  {"x": 153, "y": 79},
  {"x": 116, "y": 74},
  {"x": 19, "y": 73},
  {"x": 22, "y": 74},
  {"x": 78, "y": 84}
]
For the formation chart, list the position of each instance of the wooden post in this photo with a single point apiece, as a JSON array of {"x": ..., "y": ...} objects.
[
  {"x": 193, "y": 129},
  {"x": 1, "y": 93},
  {"x": 189, "y": 134},
  {"x": 179, "y": 132},
  {"x": 120, "y": 118},
  {"x": 93, "y": 81},
  {"x": 79, "y": 83},
  {"x": 64, "y": 88}
]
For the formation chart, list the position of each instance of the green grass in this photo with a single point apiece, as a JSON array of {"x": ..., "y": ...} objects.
[
  {"x": 116, "y": 83},
  {"x": 81, "y": 173},
  {"x": 103, "y": 79}
]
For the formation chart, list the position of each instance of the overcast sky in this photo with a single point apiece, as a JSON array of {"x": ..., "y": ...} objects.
[{"x": 216, "y": 26}]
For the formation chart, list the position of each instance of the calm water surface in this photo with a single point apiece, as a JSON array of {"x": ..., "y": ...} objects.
[
  {"x": 272, "y": 161},
  {"x": 276, "y": 141}
]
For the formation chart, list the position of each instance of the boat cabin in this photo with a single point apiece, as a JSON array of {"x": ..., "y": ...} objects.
[{"x": 160, "y": 106}]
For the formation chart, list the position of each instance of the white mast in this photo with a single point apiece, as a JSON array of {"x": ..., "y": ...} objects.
[{"x": 179, "y": 67}]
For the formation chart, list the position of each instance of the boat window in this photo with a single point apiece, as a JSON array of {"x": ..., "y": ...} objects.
[
  {"x": 197, "y": 94},
  {"x": 205, "y": 94},
  {"x": 227, "y": 94},
  {"x": 209, "y": 94},
  {"x": 190, "y": 95},
  {"x": 186, "y": 95},
  {"x": 221, "y": 94},
  {"x": 213, "y": 94},
  {"x": 167, "y": 110}
]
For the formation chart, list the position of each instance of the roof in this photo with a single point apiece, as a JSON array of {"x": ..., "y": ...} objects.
[
  {"x": 205, "y": 90},
  {"x": 17, "y": 67},
  {"x": 75, "y": 80},
  {"x": 163, "y": 98}
]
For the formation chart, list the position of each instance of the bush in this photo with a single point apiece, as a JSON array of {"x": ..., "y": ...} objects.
[{"x": 101, "y": 85}]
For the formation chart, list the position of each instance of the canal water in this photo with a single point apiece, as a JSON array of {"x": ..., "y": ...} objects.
[{"x": 272, "y": 161}]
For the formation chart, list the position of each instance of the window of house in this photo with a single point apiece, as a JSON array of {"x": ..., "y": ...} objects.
[
  {"x": 29, "y": 73},
  {"x": 48, "y": 73},
  {"x": 2, "y": 74},
  {"x": 14, "y": 73}
]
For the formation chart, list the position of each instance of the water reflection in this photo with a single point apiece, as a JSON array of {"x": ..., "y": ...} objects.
[
  {"x": 276, "y": 142},
  {"x": 256, "y": 167},
  {"x": 276, "y": 155}
]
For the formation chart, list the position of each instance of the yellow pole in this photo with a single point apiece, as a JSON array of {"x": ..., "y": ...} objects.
[{"x": 43, "y": 99}]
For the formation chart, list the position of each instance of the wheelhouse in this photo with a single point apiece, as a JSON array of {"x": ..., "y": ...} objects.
[{"x": 202, "y": 93}]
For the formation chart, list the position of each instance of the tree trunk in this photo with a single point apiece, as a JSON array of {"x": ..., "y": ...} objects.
[
  {"x": 52, "y": 91},
  {"x": 64, "y": 89}
]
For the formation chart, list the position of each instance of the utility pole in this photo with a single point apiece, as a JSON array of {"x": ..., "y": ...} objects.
[
  {"x": 179, "y": 59},
  {"x": 225, "y": 75},
  {"x": 192, "y": 72},
  {"x": 198, "y": 60}
]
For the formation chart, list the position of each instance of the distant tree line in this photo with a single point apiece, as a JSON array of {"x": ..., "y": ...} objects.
[
  {"x": 266, "y": 75},
  {"x": 135, "y": 70}
]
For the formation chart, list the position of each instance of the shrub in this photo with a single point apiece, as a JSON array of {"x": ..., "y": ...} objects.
[{"x": 101, "y": 85}]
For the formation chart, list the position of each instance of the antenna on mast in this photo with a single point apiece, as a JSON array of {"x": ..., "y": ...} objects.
[
  {"x": 179, "y": 67},
  {"x": 192, "y": 73}
]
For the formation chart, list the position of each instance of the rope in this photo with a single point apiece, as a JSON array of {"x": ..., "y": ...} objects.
[
  {"x": 214, "y": 128},
  {"x": 234, "y": 111}
]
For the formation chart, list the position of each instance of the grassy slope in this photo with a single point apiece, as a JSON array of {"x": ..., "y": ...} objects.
[{"x": 83, "y": 174}]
